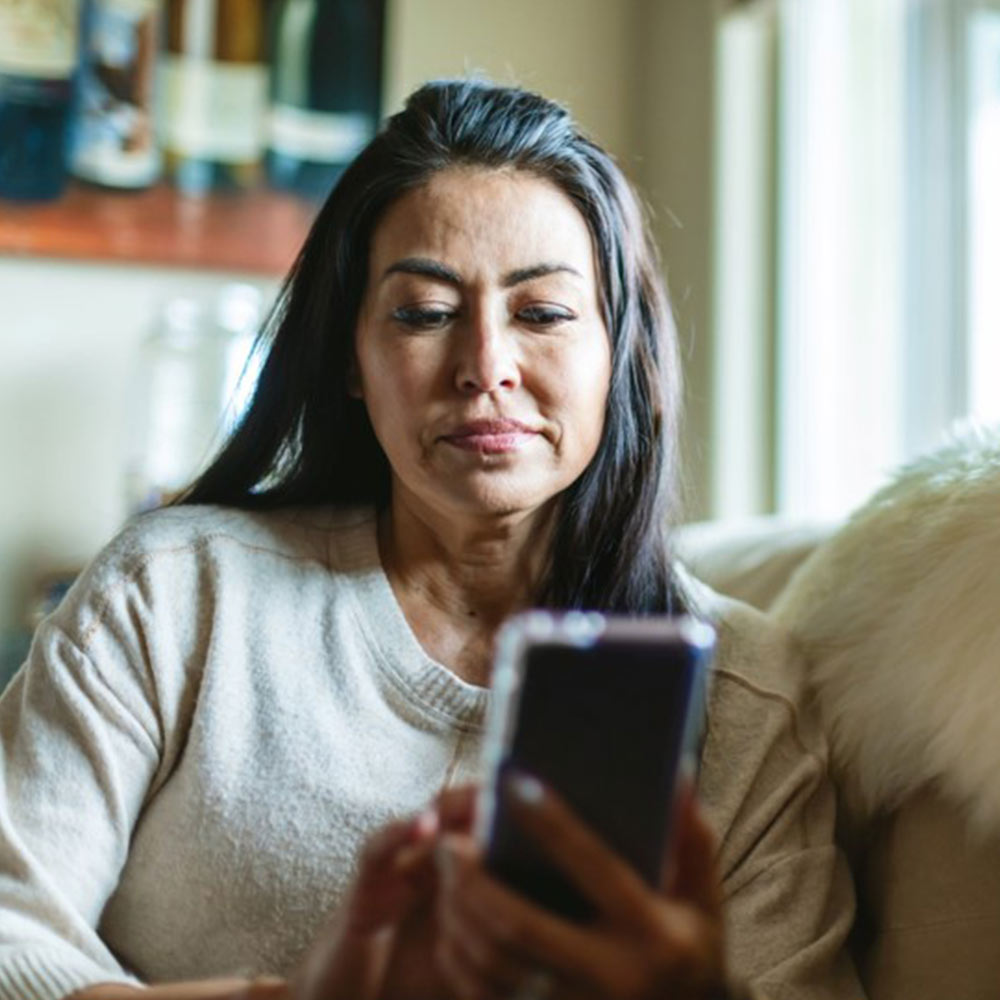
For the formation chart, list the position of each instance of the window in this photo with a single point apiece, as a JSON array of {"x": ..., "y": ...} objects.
[
  {"x": 983, "y": 150},
  {"x": 881, "y": 235}
]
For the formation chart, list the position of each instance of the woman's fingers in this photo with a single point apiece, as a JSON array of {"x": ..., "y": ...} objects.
[
  {"x": 386, "y": 843},
  {"x": 464, "y": 981},
  {"x": 475, "y": 932},
  {"x": 468, "y": 982},
  {"x": 396, "y": 864},
  {"x": 456, "y": 807},
  {"x": 695, "y": 879},
  {"x": 515, "y": 932},
  {"x": 481, "y": 967},
  {"x": 641, "y": 943},
  {"x": 395, "y": 870},
  {"x": 602, "y": 876}
]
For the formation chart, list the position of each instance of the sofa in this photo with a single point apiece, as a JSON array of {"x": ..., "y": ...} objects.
[{"x": 897, "y": 613}]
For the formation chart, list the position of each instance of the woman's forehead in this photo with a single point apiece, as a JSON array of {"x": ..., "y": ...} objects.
[{"x": 485, "y": 219}]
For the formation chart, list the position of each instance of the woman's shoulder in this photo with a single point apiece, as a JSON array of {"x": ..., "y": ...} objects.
[
  {"x": 751, "y": 644},
  {"x": 764, "y": 744},
  {"x": 212, "y": 532},
  {"x": 204, "y": 551},
  {"x": 759, "y": 674}
]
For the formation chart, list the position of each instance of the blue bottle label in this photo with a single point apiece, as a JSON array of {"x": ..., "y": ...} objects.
[{"x": 115, "y": 143}]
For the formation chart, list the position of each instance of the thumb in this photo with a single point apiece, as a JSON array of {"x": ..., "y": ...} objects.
[{"x": 395, "y": 870}]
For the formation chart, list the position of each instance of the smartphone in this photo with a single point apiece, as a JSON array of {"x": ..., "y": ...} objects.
[{"x": 608, "y": 711}]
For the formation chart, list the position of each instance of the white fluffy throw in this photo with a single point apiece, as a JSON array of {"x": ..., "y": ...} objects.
[{"x": 899, "y": 614}]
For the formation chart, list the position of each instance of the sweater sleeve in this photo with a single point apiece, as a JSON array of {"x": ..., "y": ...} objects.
[
  {"x": 788, "y": 891},
  {"x": 78, "y": 751}
]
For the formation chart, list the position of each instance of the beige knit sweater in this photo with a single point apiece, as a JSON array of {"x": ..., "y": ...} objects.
[{"x": 227, "y": 704}]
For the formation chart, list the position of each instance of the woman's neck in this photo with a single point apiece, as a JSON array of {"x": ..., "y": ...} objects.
[{"x": 457, "y": 578}]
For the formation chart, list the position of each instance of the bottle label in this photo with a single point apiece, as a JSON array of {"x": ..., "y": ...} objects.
[
  {"x": 115, "y": 142},
  {"x": 318, "y": 136},
  {"x": 216, "y": 111},
  {"x": 39, "y": 39}
]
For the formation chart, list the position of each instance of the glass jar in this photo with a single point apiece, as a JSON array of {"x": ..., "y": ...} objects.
[{"x": 195, "y": 376}]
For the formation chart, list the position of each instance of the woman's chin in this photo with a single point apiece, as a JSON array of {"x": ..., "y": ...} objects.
[{"x": 492, "y": 496}]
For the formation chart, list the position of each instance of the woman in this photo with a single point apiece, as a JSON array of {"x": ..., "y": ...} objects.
[{"x": 233, "y": 725}]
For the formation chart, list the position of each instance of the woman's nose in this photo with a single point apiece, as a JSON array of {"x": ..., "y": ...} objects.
[{"x": 487, "y": 358}]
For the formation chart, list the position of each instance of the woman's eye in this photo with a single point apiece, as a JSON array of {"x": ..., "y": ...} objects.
[
  {"x": 544, "y": 315},
  {"x": 423, "y": 318}
]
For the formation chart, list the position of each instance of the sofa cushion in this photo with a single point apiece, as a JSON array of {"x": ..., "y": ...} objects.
[
  {"x": 931, "y": 888},
  {"x": 750, "y": 559}
]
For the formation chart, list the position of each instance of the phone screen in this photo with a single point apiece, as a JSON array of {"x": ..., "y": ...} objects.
[{"x": 606, "y": 724}]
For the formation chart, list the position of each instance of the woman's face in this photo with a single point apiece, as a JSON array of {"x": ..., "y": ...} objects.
[{"x": 482, "y": 355}]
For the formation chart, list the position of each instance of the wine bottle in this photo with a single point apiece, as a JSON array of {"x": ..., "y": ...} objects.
[
  {"x": 325, "y": 89},
  {"x": 39, "y": 55},
  {"x": 115, "y": 142},
  {"x": 216, "y": 93}
]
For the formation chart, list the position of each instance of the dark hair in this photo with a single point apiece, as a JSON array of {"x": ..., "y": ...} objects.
[{"x": 305, "y": 440}]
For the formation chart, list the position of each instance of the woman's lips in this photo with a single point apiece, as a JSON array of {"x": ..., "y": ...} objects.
[{"x": 491, "y": 437}]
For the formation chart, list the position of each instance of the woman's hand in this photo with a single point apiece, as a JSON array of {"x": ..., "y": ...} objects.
[
  {"x": 493, "y": 943},
  {"x": 379, "y": 944}
]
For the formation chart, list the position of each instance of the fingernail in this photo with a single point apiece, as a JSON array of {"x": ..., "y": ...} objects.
[
  {"x": 426, "y": 824},
  {"x": 527, "y": 790}
]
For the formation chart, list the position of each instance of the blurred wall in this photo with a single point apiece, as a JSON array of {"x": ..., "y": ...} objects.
[
  {"x": 675, "y": 99},
  {"x": 581, "y": 52},
  {"x": 69, "y": 337}
]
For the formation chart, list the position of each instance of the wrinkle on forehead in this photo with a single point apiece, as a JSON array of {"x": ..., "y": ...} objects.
[{"x": 468, "y": 216}]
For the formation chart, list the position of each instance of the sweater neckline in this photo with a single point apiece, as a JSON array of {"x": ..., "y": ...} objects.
[{"x": 423, "y": 681}]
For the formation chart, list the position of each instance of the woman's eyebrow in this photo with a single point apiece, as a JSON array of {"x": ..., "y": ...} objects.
[
  {"x": 536, "y": 271},
  {"x": 429, "y": 268},
  {"x": 426, "y": 267}
]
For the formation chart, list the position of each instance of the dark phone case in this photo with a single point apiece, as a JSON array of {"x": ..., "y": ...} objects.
[{"x": 606, "y": 724}]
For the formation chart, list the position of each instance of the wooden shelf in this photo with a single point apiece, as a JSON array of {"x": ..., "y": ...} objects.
[{"x": 258, "y": 232}]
